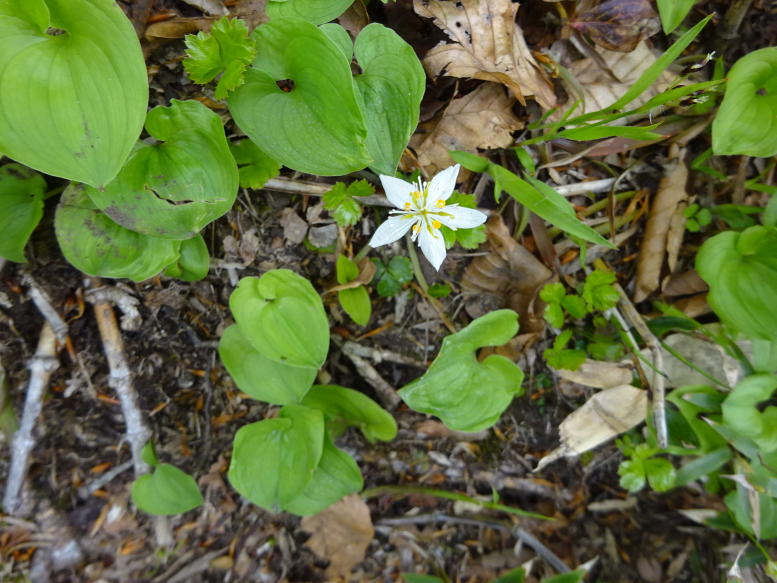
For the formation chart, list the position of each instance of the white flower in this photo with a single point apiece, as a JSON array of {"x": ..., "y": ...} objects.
[{"x": 422, "y": 207}]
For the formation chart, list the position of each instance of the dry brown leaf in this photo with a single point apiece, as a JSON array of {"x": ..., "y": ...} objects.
[
  {"x": 212, "y": 7},
  {"x": 355, "y": 18},
  {"x": 683, "y": 284},
  {"x": 294, "y": 228},
  {"x": 605, "y": 415},
  {"x": 705, "y": 355},
  {"x": 508, "y": 276},
  {"x": 488, "y": 45},
  {"x": 618, "y": 25},
  {"x": 481, "y": 119},
  {"x": 671, "y": 192},
  {"x": 340, "y": 534},
  {"x": 599, "y": 374},
  {"x": 178, "y": 27},
  {"x": 675, "y": 235}
]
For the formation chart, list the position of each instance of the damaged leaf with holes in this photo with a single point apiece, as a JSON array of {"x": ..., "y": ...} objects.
[{"x": 174, "y": 188}]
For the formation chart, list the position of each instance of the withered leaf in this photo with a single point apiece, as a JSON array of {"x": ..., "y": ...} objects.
[
  {"x": 487, "y": 44},
  {"x": 618, "y": 25},
  {"x": 481, "y": 119}
]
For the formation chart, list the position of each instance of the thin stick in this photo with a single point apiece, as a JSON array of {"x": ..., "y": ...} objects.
[
  {"x": 120, "y": 379},
  {"x": 42, "y": 364},
  {"x": 281, "y": 184},
  {"x": 386, "y": 393},
  {"x": 42, "y": 301}
]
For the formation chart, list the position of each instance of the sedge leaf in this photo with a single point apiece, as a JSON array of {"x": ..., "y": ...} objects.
[{"x": 673, "y": 12}]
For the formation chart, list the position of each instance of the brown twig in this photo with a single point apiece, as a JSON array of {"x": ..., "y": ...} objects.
[
  {"x": 42, "y": 301},
  {"x": 386, "y": 393}
]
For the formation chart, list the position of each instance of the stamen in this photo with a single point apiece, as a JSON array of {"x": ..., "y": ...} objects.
[
  {"x": 440, "y": 203},
  {"x": 407, "y": 206},
  {"x": 416, "y": 228},
  {"x": 436, "y": 224}
]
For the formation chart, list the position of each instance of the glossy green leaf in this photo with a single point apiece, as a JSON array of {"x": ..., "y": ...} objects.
[
  {"x": 313, "y": 124},
  {"x": 344, "y": 407},
  {"x": 226, "y": 50},
  {"x": 741, "y": 271},
  {"x": 746, "y": 122},
  {"x": 96, "y": 245},
  {"x": 193, "y": 261},
  {"x": 73, "y": 87},
  {"x": 337, "y": 475},
  {"x": 175, "y": 188},
  {"x": 260, "y": 377},
  {"x": 314, "y": 11},
  {"x": 390, "y": 89},
  {"x": 466, "y": 394},
  {"x": 673, "y": 12},
  {"x": 273, "y": 460},
  {"x": 340, "y": 37},
  {"x": 255, "y": 167},
  {"x": 743, "y": 413},
  {"x": 282, "y": 317},
  {"x": 166, "y": 491},
  {"x": 356, "y": 303},
  {"x": 21, "y": 208}
]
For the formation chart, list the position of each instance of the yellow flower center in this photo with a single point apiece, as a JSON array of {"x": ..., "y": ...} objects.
[{"x": 440, "y": 203}]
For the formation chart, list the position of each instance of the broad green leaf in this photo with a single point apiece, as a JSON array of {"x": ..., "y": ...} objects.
[
  {"x": 92, "y": 242},
  {"x": 356, "y": 303},
  {"x": 746, "y": 122},
  {"x": 21, "y": 208},
  {"x": 466, "y": 394},
  {"x": 73, "y": 87},
  {"x": 226, "y": 50},
  {"x": 273, "y": 460},
  {"x": 703, "y": 466},
  {"x": 340, "y": 201},
  {"x": 741, "y": 271},
  {"x": 175, "y": 188},
  {"x": 255, "y": 167},
  {"x": 546, "y": 203},
  {"x": 673, "y": 12},
  {"x": 282, "y": 317},
  {"x": 344, "y": 407},
  {"x": 390, "y": 89},
  {"x": 313, "y": 124},
  {"x": 193, "y": 262},
  {"x": 337, "y": 475},
  {"x": 742, "y": 410},
  {"x": 340, "y": 37},
  {"x": 314, "y": 11},
  {"x": 260, "y": 377},
  {"x": 166, "y": 491}
]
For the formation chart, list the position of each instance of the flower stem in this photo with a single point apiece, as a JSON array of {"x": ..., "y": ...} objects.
[{"x": 419, "y": 275}]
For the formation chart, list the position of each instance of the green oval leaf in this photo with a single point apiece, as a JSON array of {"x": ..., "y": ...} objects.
[
  {"x": 741, "y": 271},
  {"x": 344, "y": 407},
  {"x": 390, "y": 89},
  {"x": 746, "y": 122},
  {"x": 193, "y": 261},
  {"x": 466, "y": 394},
  {"x": 167, "y": 491},
  {"x": 337, "y": 475},
  {"x": 21, "y": 208},
  {"x": 356, "y": 303},
  {"x": 260, "y": 377},
  {"x": 741, "y": 410},
  {"x": 273, "y": 460},
  {"x": 96, "y": 245},
  {"x": 282, "y": 317},
  {"x": 72, "y": 100},
  {"x": 176, "y": 188},
  {"x": 315, "y": 124},
  {"x": 313, "y": 11}
]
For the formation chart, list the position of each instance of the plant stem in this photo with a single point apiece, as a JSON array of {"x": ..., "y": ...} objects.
[{"x": 419, "y": 275}]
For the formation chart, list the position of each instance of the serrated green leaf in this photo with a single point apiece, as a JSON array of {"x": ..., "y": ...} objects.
[
  {"x": 282, "y": 317},
  {"x": 71, "y": 104},
  {"x": 274, "y": 460},
  {"x": 166, "y": 491},
  {"x": 254, "y": 166},
  {"x": 745, "y": 122},
  {"x": 554, "y": 315},
  {"x": 552, "y": 293},
  {"x": 471, "y": 238},
  {"x": 465, "y": 394},
  {"x": 632, "y": 475},
  {"x": 401, "y": 269},
  {"x": 660, "y": 474},
  {"x": 313, "y": 11},
  {"x": 673, "y": 12},
  {"x": 339, "y": 201},
  {"x": 574, "y": 306},
  {"x": 175, "y": 188},
  {"x": 336, "y": 475},
  {"x": 389, "y": 91},
  {"x": 343, "y": 407},
  {"x": 741, "y": 271},
  {"x": 226, "y": 50},
  {"x": 598, "y": 291},
  {"x": 260, "y": 377},
  {"x": 92, "y": 242},
  {"x": 316, "y": 126},
  {"x": 21, "y": 208}
]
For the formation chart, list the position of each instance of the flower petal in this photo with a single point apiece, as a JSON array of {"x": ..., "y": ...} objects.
[
  {"x": 397, "y": 190},
  {"x": 433, "y": 245},
  {"x": 459, "y": 217},
  {"x": 442, "y": 185},
  {"x": 392, "y": 230}
]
